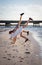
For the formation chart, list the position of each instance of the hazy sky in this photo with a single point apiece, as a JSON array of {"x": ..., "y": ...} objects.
[{"x": 11, "y": 9}]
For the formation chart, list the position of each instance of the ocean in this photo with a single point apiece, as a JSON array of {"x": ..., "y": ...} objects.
[
  {"x": 37, "y": 34},
  {"x": 36, "y": 30}
]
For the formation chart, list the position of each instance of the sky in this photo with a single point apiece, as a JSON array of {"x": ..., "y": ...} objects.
[{"x": 11, "y": 9}]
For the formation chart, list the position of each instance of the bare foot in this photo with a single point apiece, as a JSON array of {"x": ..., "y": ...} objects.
[{"x": 21, "y": 14}]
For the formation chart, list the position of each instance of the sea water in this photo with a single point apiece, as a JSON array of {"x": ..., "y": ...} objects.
[
  {"x": 37, "y": 34},
  {"x": 36, "y": 30}
]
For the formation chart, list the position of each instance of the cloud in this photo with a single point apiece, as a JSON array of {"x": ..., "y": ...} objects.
[{"x": 12, "y": 12}]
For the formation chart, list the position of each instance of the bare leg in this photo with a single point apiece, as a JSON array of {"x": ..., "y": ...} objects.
[
  {"x": 22, "y": 36},
  {"x": 26, "y": 39},
  {"x": 14, "y": 39},
  {"x": 26, "y": 32},
  {"x": 10, "y": 32},
  {"x": 20, "y": 21}
]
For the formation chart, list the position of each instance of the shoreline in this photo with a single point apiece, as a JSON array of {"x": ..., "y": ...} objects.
[
  {"x": 37, "y": 48},
  {"x": 17, "y": 54}
]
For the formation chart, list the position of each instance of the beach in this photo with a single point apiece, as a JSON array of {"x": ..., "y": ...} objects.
[{"x": 20, "y": 53}]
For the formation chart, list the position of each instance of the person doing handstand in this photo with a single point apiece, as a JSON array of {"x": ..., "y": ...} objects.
[{"x": 19, "y": 29}]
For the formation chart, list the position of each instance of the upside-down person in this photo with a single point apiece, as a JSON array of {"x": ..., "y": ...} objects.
[{"x": 19, "y": 29}]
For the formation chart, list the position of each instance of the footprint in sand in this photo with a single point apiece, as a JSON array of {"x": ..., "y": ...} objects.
[
  {"x": 27, "y": 52},
  {"x": 13, "y": 57},
  {"x": 21, "y": 58},
  {"x": 21, "y": 61},
  {"x": 5, "y": 51},
  {"x": 15, "y": 50},
  {"x": 9, "y": 55},
  {"x": 26, "y": 49},
  {"x": 4, "y": 57},
  {"x": 8, "y": 59}
]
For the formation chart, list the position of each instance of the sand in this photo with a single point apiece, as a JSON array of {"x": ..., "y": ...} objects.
[{"x": 20, "y": 53}]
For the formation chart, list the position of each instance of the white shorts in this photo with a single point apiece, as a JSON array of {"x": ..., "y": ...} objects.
[{"x": 18, "y": 31}]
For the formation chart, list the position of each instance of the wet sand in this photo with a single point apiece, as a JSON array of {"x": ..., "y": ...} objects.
[{"x": 20, "y": 53}]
